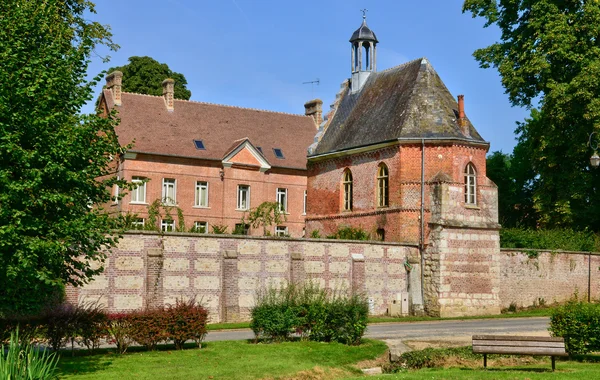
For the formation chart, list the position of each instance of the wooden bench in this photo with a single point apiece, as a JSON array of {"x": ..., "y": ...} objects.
[{"x": 518, "y": 345}]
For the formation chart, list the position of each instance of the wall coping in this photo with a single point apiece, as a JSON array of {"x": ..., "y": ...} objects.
[
  {"x": 272, "y": 238},
  {"x": 551, "y": 251}
]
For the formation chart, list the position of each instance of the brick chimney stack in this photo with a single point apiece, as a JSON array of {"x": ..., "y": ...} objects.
[
  {"x": 113, "y": 83},
  {"x": 169, "y": 93},
  {"x": 314, "y": 108},
  {"x": 462, "y": 120}
]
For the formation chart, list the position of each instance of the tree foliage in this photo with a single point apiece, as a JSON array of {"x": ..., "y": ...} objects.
[
  {"x": 549, "y": 56},
  {"x": 144, "y": 75},
  {"x": 54, "y": 162},
  {"x": 265, "y": 215}
]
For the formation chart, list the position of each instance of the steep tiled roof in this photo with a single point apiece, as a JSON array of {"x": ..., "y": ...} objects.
[
  {"x": 407, "y": 101},
  {"x": 156, "y": 130}
]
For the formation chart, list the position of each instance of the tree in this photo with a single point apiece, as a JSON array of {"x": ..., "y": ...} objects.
[
  {"x": 549, "y": 56},
  {"x": 55, "y": 164},
  {"x": 265, "y": 215},
  {"x": 144, "y": 75}
]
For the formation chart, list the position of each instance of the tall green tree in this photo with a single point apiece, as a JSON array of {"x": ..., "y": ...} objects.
[
  {"x": 55, "y": 164},
  {"x": 549, "y": 56},
  {"x": 144, "y": 75}
]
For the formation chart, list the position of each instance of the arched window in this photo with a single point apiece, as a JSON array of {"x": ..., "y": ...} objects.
[
  {"x": 470, "y": 184},
  {"x": 382, "y": 186},
  {"x": 347, "y": 190}
]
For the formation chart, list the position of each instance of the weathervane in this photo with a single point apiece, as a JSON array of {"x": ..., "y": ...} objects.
[{"x": 364, "y": 12}]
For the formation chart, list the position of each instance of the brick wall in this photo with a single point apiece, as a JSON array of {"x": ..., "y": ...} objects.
[
  {"x": 525, "y": 279},
  {"x": 226, "y": 272}
]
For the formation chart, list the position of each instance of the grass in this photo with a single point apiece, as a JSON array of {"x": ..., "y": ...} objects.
[
  {"x": 223, "y": 360},
  {"x": 525, "y": 313}
]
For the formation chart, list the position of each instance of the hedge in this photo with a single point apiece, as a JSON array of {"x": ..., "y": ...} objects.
[
  {"x": 563, "y": 239},
  {"x": 579, "y": 324}
]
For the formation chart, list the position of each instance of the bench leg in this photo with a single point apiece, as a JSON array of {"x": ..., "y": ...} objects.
[
  {"x": 484, "y": 360},
  {"x": 553, "y": 365}
]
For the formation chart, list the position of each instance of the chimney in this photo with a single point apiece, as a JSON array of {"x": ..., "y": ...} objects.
[
  {"x": 462, "y": 120},
  {"x": 168, "y": 93},
  {"x": 314, "y": 108},
  {"x": 113, "y": 83}
]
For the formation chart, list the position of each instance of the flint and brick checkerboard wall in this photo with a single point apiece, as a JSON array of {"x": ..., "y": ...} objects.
[
  {"x": 225, "y": 272},
  {"x": 550, "y": 277}
]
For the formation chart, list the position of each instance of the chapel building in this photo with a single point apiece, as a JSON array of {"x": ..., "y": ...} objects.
[{"x": 389, "y": 136}]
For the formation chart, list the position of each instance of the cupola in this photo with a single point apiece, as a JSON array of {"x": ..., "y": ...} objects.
[{"x": 364, "y": 54}]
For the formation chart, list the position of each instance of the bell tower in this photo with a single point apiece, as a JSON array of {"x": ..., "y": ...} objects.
[{"x": 364, "y": 54}]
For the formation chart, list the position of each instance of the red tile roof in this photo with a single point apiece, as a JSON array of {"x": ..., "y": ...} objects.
[{"x": 156, "y": 130}]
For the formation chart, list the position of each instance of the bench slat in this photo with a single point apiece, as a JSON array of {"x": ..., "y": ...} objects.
[
  {"x": 519, "y": 350},
  {"x": 522, "y": 343},
  {"x": 518, "y": 338}
]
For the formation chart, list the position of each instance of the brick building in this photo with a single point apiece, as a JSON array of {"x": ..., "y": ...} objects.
[
  {"x": 214, "y": 162},
  {"x": 388, "y": 138}
]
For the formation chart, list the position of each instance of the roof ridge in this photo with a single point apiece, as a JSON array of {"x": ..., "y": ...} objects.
[
  {"x": 402, "y": 65},
  {"x": 220, "y": 105}
]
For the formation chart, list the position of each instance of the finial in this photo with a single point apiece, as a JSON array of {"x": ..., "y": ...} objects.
[{"x": 364, "y": 12}]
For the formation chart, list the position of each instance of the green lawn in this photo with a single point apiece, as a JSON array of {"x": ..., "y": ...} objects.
[
  {"x": 564, "y": 370},
  {"x": 222, "y": 360}
]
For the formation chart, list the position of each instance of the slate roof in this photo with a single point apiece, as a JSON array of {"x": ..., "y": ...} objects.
[
  {"x": 363, "y": 33},
  {"x": 156, "y": 130},
  {"x": 406, "y": 101}
]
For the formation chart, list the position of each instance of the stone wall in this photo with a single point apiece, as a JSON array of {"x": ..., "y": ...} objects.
[
  {"x": 226, "y": 272},
  {"x": 534, "y": 277}
]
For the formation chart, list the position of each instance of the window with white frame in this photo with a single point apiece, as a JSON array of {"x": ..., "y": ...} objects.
[
  {"x": 281, "y": 231},
  {"x": 347, "y": 183},
  {"x": 138, "y": 224},
  {"x": 201, "y": 194},
  {"x": 167, "y": 225},
  {"x": 138, "y": 194},
  {"x": 470, "y": 184},
  {"x": 201, "y": 227},
  {"x": 282, "y": 199},
  {"x": 243, "y": 197},
  {"x": 169, "y": 191},
  {"x": 116, "y": 193},
  {"x": 305, "y": 198}
]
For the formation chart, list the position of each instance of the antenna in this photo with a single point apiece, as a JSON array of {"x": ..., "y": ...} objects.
[{"x": 312, "y": 85}]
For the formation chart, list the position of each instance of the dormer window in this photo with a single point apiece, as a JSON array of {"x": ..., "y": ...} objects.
[
  {"x": 278, "y": 153},
  {"x": 259, "y": 149},
  {"x": 199, "y": 144}
]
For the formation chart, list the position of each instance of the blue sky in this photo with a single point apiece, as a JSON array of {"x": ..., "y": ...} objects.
[{"x": 257, "y": 53}]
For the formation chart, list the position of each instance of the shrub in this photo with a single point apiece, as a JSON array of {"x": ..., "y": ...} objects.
[
  {"x": 60, "y": 324},
  {"x": 350, "y": 233},
  {"x": 310, "y": 312},
  {"x": 119, "y": 331},
  {"x": 148, "y": 327},
  {"x": 22, "y": 361},
  {"x": 579, "y": 324},
  {"x": 91, "y": 325},
  {"x": 564, "y": 239},
  {"x": 186, "y": 320},
  {"x": 29, "y": 327}
]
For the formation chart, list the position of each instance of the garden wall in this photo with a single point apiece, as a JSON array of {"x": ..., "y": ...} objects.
[
  {"x": 530, "y": 277},
  {"x": 225, "y": 272}
]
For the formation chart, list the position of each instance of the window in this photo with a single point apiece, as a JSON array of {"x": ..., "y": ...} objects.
[
  {"x": 243, "y": 197},
  {"x": 281, "y": 231},
  {"x": 199, "y": 144},
  {"x": 116, "y": 193},
  {"x": 201, "y": 227},
  {"x": 201, "y": 194},
  {"x": 382, "y": 186},
  {"x": 278, "y": 153},
  {"x": 282, "y": 199},
  {"x": 138, "y": 194},
  {"x": 304, "y": 208},
  {"x": 241, "y": 229},
  {"x": 169, "y": 191},
  {"x": 138, "y": 224},
  {"x": 470, "y": 184},
  {"x": 380, "y": 234},
  {"x": 259, "y": 149},
  {"x": 347, "y": 190},
  {"x": 167, "y": 225}
]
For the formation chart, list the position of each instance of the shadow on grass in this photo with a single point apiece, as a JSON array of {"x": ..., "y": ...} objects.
[
  {"x": 78, "y": 365},
  {"x": 508, "y": 369},
  {"x": 588, "y": 358}
]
